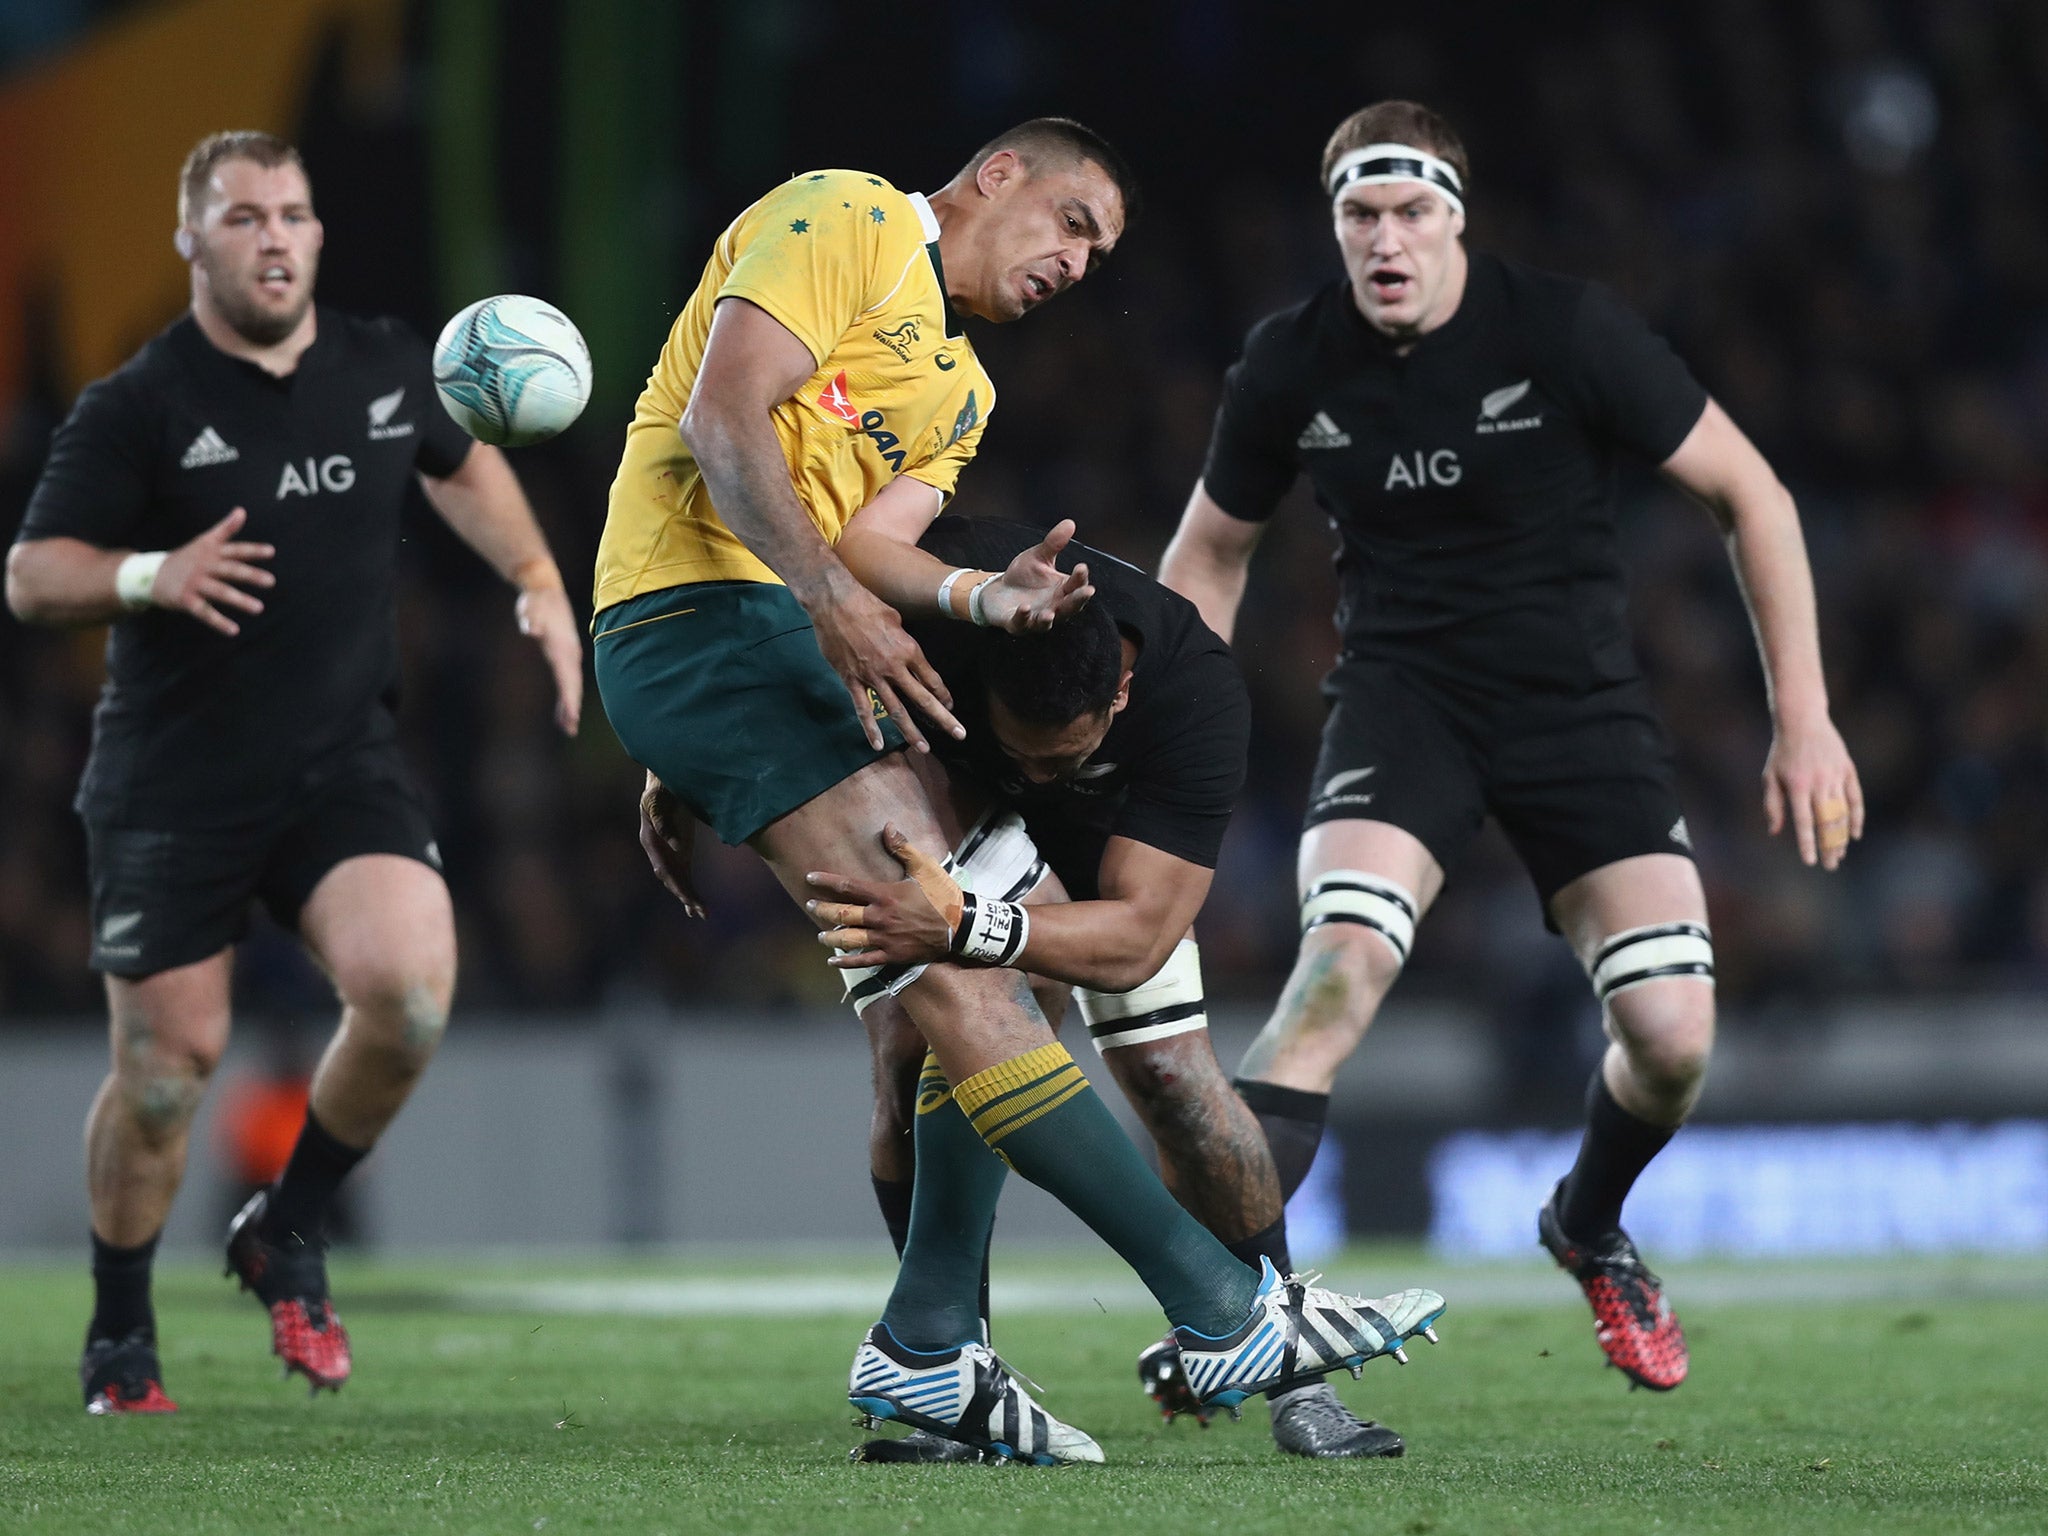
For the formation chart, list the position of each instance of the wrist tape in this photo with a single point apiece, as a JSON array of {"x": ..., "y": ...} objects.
[
  {"x": 991, "y": 930},
  {"x": 974, "y": 609},
  {"x": 134, "y": 577}
]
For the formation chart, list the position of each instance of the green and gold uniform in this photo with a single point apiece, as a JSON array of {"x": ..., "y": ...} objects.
[{"x": 708, "y": 667}]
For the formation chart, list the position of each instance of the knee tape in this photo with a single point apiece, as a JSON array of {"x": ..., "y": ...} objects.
[
  {"x": 1171, "y": 1003},
  {"x": 1353, "y": 896},
  {"x": 1636, "y": 955},
  {"x": 997, "y": 858}
]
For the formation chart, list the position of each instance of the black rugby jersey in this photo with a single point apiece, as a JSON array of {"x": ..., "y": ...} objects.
[
  {"x": 1472, "y": 481},
  {"x": 1169, "y": 770},
  {"x": 197, "y": 728}
]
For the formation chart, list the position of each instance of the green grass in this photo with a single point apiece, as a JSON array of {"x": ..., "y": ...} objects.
[{"x": 1926, "y": 1411}]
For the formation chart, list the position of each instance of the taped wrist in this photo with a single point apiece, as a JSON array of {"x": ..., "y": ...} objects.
[
  {"x": 135, "y": 576},
  {"x": 991, "y": 930}
]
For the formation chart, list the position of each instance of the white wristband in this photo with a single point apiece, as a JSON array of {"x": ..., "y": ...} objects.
[
  {"x": 974, "y": 609},
  {"x": 946, "y": 592},
  {"x": 134, "y": 576},
  {"x": 993, "y": 932}
]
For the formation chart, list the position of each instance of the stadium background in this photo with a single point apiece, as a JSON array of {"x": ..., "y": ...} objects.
[{"x": 1837, "y": 209}]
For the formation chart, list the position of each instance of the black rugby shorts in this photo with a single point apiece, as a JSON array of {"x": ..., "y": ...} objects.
[
  {"x": 163, "y": 897},
  {"x": 1577, "y": 781}
]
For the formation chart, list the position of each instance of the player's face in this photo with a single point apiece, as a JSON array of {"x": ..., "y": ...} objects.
[
  {"x": 1049, "y": 754},
  {"x": 1400, "y": 244},
  {"x": 1038, "y": 233},
  {"x": 256, "y": 248}
]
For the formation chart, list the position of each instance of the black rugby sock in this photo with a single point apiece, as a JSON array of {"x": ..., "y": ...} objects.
[
  {"x": 1269, "y": 1244},
  {"x": 1293, "y": 1122},
  {"x": 893, "y": 1196},
  {"x": 1616, "y": 1149},
  {"x": 298, "y": 1206},
  {"x": 120, "y": 1289}
]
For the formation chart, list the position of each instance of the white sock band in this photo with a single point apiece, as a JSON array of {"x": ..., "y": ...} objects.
[{"x": 1171, "y": 1003}]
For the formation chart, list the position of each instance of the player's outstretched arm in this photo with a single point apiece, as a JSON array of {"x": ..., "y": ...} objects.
[
  {"x": 66, "y": 582},
  {"x": 1207, "y": 560},
  {"x": 483, "y": 502},
  {"x": 880, "y": 547},
  {"x": 752, "y": 363},
  {"x": 1809, "y": 779},
  {"x": 1149, "y": 900}
]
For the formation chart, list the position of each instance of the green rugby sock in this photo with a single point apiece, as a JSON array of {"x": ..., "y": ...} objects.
[
  {"x": 1038, "y": 1113},
  {"x": 937, "y": 1302}
]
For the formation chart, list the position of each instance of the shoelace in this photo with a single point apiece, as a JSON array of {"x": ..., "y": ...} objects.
[{"x": 1010, "y": 1370}]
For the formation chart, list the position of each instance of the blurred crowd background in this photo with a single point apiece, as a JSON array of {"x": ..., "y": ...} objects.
[{"x": 1837, "y": 210}]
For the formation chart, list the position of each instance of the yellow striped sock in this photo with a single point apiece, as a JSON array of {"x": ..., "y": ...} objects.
[
  {"x": 1011, "y": 1094},
  {"x": 932, "y": 1088}
]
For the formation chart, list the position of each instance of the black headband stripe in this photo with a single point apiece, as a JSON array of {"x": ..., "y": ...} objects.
[{"x": 1401, "y": 169}]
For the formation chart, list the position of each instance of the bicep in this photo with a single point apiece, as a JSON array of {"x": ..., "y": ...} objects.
[
  {"x": 752, "y": 361},
  {"x": 1212, "y": 532},
  {"x": 1717, "y": 464},
  {"x": 900, "y": 512},
  {"x": 1166, "y": 891}
]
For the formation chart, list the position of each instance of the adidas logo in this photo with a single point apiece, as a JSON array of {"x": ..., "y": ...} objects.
[
  {"x": 1323, "y": 433},
  {"x": 208, "y": 449},
  {"x": 1681, "y": 834}
]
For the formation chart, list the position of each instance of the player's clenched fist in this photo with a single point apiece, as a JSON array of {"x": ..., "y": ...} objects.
[{"x": 209, "y": 573}]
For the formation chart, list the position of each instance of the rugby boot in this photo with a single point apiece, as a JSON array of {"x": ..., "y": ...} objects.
[
  {"x": 924, "y": 1448},
  {"x": 1313, "y": 1421},
  {"x": 1166, "y": 1383},
  {"x": 1632, "y": 1317},
  {"x": 964, "y": 1394},
  {"x": 291, "y": 1281},
  {"x": 123, "y": 1375},
  {"x": 1298, "y": 1328}
]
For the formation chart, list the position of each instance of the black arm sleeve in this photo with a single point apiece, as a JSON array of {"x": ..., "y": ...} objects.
[
  {"x": 95, "y": 483},
  {"x": 1250, "y": 464},
  {"x": 443, "y": 445},
  {"x": 1182, "y": 794},
  {"x": 1634, "y": 386}
]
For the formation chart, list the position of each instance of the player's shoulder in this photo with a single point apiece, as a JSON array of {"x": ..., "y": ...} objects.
[
  {"x": 369, "y": 338},
  {"x": 1539, "y": 294},
  {"x": 1291, "y": 344},
  {"x": 152, "y": 375}
]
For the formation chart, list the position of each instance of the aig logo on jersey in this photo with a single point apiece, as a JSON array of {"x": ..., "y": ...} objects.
[
  {"x": 1413, "y": 471},
  {"x": 336, "y": 473}
]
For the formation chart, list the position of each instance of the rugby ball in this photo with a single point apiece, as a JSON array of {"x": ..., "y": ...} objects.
[{"x": 512, "y": 370}]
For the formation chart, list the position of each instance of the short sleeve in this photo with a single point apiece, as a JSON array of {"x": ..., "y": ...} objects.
[
  {"x": 809, "y": 253},
  {"x": 1634, "y": 386},
  {"x": 1250, "y": 464},
  {"x": 443, "y": 446},
  {"x": 942, "y": 473},
  {"x": 95, "y": 483},
  {"x": 1181, "y": 796}
]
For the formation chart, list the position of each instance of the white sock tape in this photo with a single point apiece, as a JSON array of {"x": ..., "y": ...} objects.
[
  {"x": 1171, "y": 1003},
  {"x": 1636, "y": 955},
  {"x": 1371, "y": 901}
]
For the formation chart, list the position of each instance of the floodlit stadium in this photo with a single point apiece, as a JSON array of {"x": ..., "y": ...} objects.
[{"x": 1467, "y": 952}]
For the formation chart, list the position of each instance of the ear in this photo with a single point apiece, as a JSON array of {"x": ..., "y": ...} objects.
[
  {"x": 997, "y": 170},
  {"x": 1123, "y": 696},
  {"x": 1457, "y": 223},
  {"x": 185, "y": 242}
]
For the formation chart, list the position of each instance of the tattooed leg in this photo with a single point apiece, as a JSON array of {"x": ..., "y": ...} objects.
[{"x": 1212, "y": 1154}]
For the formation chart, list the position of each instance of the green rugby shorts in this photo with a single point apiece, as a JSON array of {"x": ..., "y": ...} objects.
[{"x": 719, "y": 689}]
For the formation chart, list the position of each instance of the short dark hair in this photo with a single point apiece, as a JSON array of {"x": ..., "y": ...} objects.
[
  {"x": 266, "y": 149},
  {"x": 1062, "y": 141},
  {"x": 1397, "y": 122},
  {"x": 1055, "y": 676}
]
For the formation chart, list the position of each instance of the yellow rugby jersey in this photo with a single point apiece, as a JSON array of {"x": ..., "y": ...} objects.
[{"x": 851, "y": 266}]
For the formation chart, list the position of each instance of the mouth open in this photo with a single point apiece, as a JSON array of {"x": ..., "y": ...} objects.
[
  {"x": 275, "y": 280},
  {"x": 1388, "y": 285},
  {"x": 1036, "y": 288}
]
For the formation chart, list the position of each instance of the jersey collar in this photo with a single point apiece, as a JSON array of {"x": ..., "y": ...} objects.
[{"x": 928, "y": 223}]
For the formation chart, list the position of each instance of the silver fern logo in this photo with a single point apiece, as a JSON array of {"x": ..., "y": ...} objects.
[{"x": 1495, "y": 405}]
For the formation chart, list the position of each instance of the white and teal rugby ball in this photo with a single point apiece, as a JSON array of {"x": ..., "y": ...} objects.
[{"x": 512, "y": 370}]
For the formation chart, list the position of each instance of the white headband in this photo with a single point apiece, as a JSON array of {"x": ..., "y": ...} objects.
[{"x": 1377, "y": 164}]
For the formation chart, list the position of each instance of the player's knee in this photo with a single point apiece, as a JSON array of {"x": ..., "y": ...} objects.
[
  {"x": 404, "y": 1006},
  {"x": 161, "y": 1080},
  {"x": 1656, "y": 987},
  {"x": 1356, "y": 932}
]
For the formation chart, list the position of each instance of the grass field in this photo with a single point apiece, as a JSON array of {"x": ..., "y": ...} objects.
[{"x": 653, "y": 1395}]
